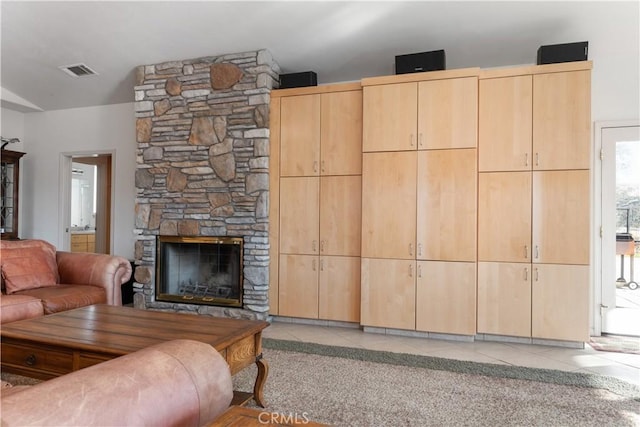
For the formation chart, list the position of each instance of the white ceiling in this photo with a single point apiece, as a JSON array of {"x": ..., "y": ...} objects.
[{"x": 341, "y": 41}]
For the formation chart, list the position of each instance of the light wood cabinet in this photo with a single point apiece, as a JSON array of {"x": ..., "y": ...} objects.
[
  {"x": 326, "y": 287},
  {"x": 562, "y": 120},
  {"x": 298, "y": 293},
  {"x": 419, "y": 186},
  {"x": 340, "y": 215},
  {"x": 389, "y": 205},
  {"x": 300, "y": 135},
  {"x": 505, "y": 124},
  {"x": 535, "y": 119},
  {"x": 561, "y": 206},
  {"x": 504, "y": 216},
  {"x": 390, "y": 113},
  {"x": 440, "y": 112},
  {"x": 339, "y": 288},
  {"x": 446, "y": 297},
  {"x": 560, "y": 302},
  {"x": 299, "y": 215},
  {"x": 316, "y": 202},
  {"x": 83, "y": 242},
  {"x": 446, "y": 205},
  {"x": 388, "y": 293},
  {"x": 504, "y": 298},
  {"x": 448, "y": 113},
  {"x": 534, "y": 202}
]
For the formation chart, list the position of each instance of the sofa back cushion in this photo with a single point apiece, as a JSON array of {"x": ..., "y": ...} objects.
[{"x": 28, "y": 264}]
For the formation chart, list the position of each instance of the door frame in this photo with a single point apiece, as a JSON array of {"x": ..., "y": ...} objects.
[
  {"x": 596, "y": 217},
  {"x": 64, "y": 205}
]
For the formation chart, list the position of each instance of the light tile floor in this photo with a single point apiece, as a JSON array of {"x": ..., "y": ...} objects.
[{"x": 623, "y": 366}]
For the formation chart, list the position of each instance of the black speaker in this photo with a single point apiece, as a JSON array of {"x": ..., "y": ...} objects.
[
  {"x": 306, "y": 78},
  {"x": 565, "y": 52},
  {"x": 419, "y": 62}
]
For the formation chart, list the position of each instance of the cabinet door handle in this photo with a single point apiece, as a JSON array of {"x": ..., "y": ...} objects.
[
  {"x": 419, "y": 249},
  {"x": 535, "y": 274},
  {"x": 313, "y": 245},
  {"x": 537, "y": 253},
  {"x": 321, "y": 265},
  {"x": 411, "y": 140},
  {"x": 315, "y": 166},
  {"x": 419, "y": 271},
  {"x": 313, "y": 265},
  {"x": 420, "y": 139},
  {"x": 526, "y": 159},
  {"x": 410, "y": 249},
  {"x": 410, "y": 270},
  {"x": 322, "y": 166},
  {"x": 526, "y": 251},
  {"x": 322, "y": 245},
  {"x": 526, "y": 274},
  {"x": 537, "y": 159}
]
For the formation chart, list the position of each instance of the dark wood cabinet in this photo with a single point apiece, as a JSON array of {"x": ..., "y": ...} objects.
[{"x": 9, "y": 186}]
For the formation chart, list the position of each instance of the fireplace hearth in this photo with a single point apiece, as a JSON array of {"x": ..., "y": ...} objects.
[{"x": 200, "y": 270}]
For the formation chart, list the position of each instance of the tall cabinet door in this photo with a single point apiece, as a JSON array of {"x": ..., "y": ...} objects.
[
  {"x": 299, "y": 215},
  {"x": 504, "y": 298},
  {"x": 341, "y": 133},
  {"x": 388, "y": 293},
  {"x": 446, "y": 210},
  {"x": 389, "y": 205},
  {"x": 340, "y": 215},
  {"x": 339, "y": 288},
  {"x": 389, "y": 117},
  {"x": 504, "y": 216},
  {"x": 504, "y": 128},
  {"x": 561, "y": 217},
  {"x": 562, "y": 120},
  {"x": 298, "y": 292},
  {"x": 446, "y": 297},
  {"x": 300, "y": 135},
  {"x": 560, "y": 302},
  {"x": 448, "y": 113}
]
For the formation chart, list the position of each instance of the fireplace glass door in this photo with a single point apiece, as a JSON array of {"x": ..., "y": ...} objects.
[{"x": 199, "y": 270}]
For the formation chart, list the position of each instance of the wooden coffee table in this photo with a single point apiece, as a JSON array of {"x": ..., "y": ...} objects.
[{"x": 54, "y": 345}]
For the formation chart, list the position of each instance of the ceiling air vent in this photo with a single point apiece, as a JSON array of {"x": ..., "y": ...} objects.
[{"x": 78, "y": 70}]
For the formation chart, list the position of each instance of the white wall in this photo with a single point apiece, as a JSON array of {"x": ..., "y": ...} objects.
[
  {"x": 614, "y": 47},
  {"x": 47, "y": 136}
]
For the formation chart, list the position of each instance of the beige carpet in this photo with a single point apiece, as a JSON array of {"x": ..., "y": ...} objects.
[
  {"x": 347, "y": 392},
  {"x": 355, "y": 387}
]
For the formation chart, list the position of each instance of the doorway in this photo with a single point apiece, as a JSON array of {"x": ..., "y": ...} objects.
[
  {"x": 87, "y": 202},
  {"x": 620, "y": 230}
]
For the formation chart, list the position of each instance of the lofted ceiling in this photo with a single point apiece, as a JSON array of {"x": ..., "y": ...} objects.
[{"x": 341, "y": 41}]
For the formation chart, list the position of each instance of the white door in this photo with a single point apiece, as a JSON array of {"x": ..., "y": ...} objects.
[{"x": 620, "y": 216}]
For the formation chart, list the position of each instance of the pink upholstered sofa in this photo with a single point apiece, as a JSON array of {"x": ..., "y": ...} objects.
[
  {"x": 37, "y": 279},
  {"x": 176, "y": 383}
]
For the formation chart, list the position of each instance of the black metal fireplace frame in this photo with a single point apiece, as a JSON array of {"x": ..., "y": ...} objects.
[{"x": 186, "y": 299}]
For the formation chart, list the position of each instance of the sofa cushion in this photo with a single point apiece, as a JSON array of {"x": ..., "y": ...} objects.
[
  {"x": 28, "y": 264},
  {"x": 18, "y": 307},
  {"x": 67, "y": 297}
]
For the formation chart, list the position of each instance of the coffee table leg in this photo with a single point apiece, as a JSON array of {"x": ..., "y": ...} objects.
[{"x": 263, "y": 371}]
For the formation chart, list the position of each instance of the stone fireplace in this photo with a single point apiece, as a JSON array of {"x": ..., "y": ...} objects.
[{"x": 203, "y": 172}]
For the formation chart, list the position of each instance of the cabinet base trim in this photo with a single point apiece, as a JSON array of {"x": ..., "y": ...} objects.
[{"x": 524, "y": 340}]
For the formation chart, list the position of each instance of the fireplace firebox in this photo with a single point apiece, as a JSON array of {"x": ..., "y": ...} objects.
[{"x": 199, "y": 270}]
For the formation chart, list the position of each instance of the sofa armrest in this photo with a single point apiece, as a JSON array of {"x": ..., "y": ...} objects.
[
  {"x": 175, "y": 383},
  {"x": 106, "y": 271}
]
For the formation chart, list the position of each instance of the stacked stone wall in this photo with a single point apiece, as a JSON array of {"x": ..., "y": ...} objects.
[{"x": 202, "y": 130}]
